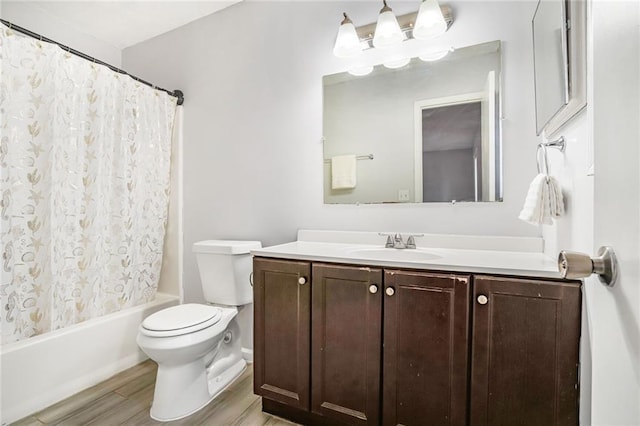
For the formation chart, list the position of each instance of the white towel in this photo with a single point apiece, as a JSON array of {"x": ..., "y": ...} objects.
[
  {"x": 544, "y": 201},
  {"x": 555, "y": 195},
  {"x": 343, "y": 172}
]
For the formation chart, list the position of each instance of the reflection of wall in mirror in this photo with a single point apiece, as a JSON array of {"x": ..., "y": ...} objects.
[
  {"x": 449, "y": 169},
  {"x": 374, "y": 115}
]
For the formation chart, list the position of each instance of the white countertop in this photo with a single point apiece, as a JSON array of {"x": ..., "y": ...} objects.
[{"x": 522, "y": 258}]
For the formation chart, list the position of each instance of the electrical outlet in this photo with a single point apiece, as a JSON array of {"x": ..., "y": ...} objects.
[{"x": 403, "y": 195}]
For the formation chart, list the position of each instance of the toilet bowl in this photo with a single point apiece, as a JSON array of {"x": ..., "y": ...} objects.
[{"x": 198, "y": 346}]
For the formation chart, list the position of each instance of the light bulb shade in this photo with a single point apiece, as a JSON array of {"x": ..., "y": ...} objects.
[
  {"x": 430, "y": 21},
  {"x": 395, "y": 63},
  {"x": 360, "y": 71},
  {"x": 347, "y": 42},
  {"x": 388, "y": 32},
  {"x": 434, "y": 55}
]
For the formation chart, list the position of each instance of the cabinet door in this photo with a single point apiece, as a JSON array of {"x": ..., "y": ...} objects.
[
  {"x": 282, "y": 297},
  {"x": 425, "y": 355},
  {"x": 346, "y": 343},
  {"x": 525, "y": 352}
]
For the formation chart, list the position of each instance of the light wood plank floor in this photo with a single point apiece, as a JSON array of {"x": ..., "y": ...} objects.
[{"x": 125, "y": 399}]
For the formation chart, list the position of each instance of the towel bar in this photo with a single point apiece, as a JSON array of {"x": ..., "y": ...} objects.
[{"x": 359, "y": 157}]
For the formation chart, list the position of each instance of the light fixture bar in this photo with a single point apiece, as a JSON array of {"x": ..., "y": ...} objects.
[{"x": 365, "y": 32}]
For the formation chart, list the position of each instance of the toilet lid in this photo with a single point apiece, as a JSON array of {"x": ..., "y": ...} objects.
[{"x": 182, "y": 319}]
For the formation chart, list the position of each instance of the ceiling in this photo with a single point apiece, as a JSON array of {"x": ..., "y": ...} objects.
[{"x": 125, "y": 23}]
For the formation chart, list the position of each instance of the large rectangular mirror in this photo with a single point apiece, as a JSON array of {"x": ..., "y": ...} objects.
[{"x": 427, "y": 132}]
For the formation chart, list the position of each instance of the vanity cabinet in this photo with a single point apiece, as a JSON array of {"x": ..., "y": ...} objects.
[
  {"x": 347, "y": 344},
  {"x": 346, "y": 328},
  {"x": 425, "y": 355},
  {"x": 525, "y": 352},
  {"x": 282, "y": 330}
]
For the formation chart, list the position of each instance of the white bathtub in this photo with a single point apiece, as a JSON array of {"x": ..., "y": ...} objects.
[{"x": 42, "y": 370}]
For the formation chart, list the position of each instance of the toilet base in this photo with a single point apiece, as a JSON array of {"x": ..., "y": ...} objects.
[{"x": 215, "y": 385}]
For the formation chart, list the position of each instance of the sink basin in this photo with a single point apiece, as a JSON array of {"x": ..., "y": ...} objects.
[{"x": 411, "y": 255}]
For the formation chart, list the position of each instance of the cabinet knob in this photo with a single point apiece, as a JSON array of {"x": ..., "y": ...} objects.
[
  {"x": 390, "y": 291},
  {"x": 482, "y": 299},
  {"x": 373, "y": 289},
  {"x": 302, "y": 280}
]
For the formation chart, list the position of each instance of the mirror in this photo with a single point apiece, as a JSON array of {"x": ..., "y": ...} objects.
[
  {"x": 560, "y": 62},
  {"x": 427, "y": 132},
  {"x": 550, "y": 61}
]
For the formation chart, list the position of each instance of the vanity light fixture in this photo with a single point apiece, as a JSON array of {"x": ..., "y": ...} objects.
[
  {"x": 388, "y": 33},
  {"x": 395, "y": 63},
  {"x": 430, "y": 21},
  {"x": 347, "y": 42},
  {"x": 361, "y": 70},
  {"x": 435, "y": 55}
]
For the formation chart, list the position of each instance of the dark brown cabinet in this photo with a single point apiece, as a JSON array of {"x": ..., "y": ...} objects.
[
  {"x": 346, "y": 344},
  {"x": 346, "y": 325},
  {"x": 282, "y": 329},
  {"x": 525, "y": 352},
  {"x": 425, "y": 356}
]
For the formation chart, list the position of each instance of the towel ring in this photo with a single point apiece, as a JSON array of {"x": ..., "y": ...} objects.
[
  {"x": 544, "y": 158},
  {"x": 558, "y": 144}
]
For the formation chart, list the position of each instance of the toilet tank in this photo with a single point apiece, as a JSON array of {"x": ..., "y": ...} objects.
[{"x": 225, "y": 266}]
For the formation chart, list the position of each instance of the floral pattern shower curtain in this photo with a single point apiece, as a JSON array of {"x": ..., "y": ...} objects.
[{"x": 84, "y": 156}]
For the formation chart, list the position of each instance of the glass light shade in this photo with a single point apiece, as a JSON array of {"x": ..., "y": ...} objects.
[
  {"x": 347, "y": 41},
  {"x": 434, "y": 55},
  {"x": 361, "y": 70},
  {"x": 396, "y": 63},
  {"x": 388, "y": 32},
  {"x": 430, "y": 22}
]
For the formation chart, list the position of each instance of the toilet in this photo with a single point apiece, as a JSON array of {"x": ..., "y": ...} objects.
[{"x": 198, "y": 346}]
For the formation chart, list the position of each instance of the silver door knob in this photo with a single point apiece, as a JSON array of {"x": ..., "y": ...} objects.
[
  {"x": 390, "y": 291},
  {"x": 482, "y": 299},
  {"x": 574, "y": 265},
  {"x": 302, "y": 280},
  {"x": 373, "y": 289}
]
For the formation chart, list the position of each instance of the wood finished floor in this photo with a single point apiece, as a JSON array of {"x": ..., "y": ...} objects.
[{"x": 125, "y": 399}]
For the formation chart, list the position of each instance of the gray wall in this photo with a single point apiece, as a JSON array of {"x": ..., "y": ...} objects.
[
  {"x": 448, "y": 175},
  {"x": 252, "y": 77}
]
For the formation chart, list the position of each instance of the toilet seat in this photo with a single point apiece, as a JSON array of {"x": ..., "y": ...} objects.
[{"x": 181, "y": 319}]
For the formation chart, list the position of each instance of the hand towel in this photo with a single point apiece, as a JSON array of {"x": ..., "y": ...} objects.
[
  {"x": 557, "y": 202},
  {"x": 537, "y": 207},
  {"x": 343, "y": 172},
  {"x": 544, "y": 201}
]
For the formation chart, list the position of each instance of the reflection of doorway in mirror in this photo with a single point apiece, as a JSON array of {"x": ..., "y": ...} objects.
[{"x": 455, "y": 147}]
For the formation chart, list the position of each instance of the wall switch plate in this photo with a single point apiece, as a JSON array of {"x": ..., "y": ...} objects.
[{"x": 403, "y": 195}]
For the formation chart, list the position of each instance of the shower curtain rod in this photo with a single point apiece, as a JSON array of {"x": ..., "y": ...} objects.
[{"x": 175, "y": 93}]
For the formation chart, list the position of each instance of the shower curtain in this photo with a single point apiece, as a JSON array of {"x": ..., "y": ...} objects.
[{"x": 85, "y": 162}]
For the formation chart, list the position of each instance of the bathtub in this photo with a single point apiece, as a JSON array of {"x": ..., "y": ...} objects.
[{"x": 45, "y": 369}]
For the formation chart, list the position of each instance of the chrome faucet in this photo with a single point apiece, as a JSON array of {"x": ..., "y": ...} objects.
[{"x": 397, "y": 242}]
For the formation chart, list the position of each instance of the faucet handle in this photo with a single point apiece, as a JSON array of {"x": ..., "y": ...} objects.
[
  {"x": 411, "y": 242},
  {"x": 389, "y": 243}
]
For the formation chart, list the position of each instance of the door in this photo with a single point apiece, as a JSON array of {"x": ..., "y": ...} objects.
[
  {"x": 282, "y": 302},
  {"x": 525, "y": 345},
  {"x": 614, "y": 313},
  {"x": 425, "y": 355},
  {"x": 346, "y": 343}
]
